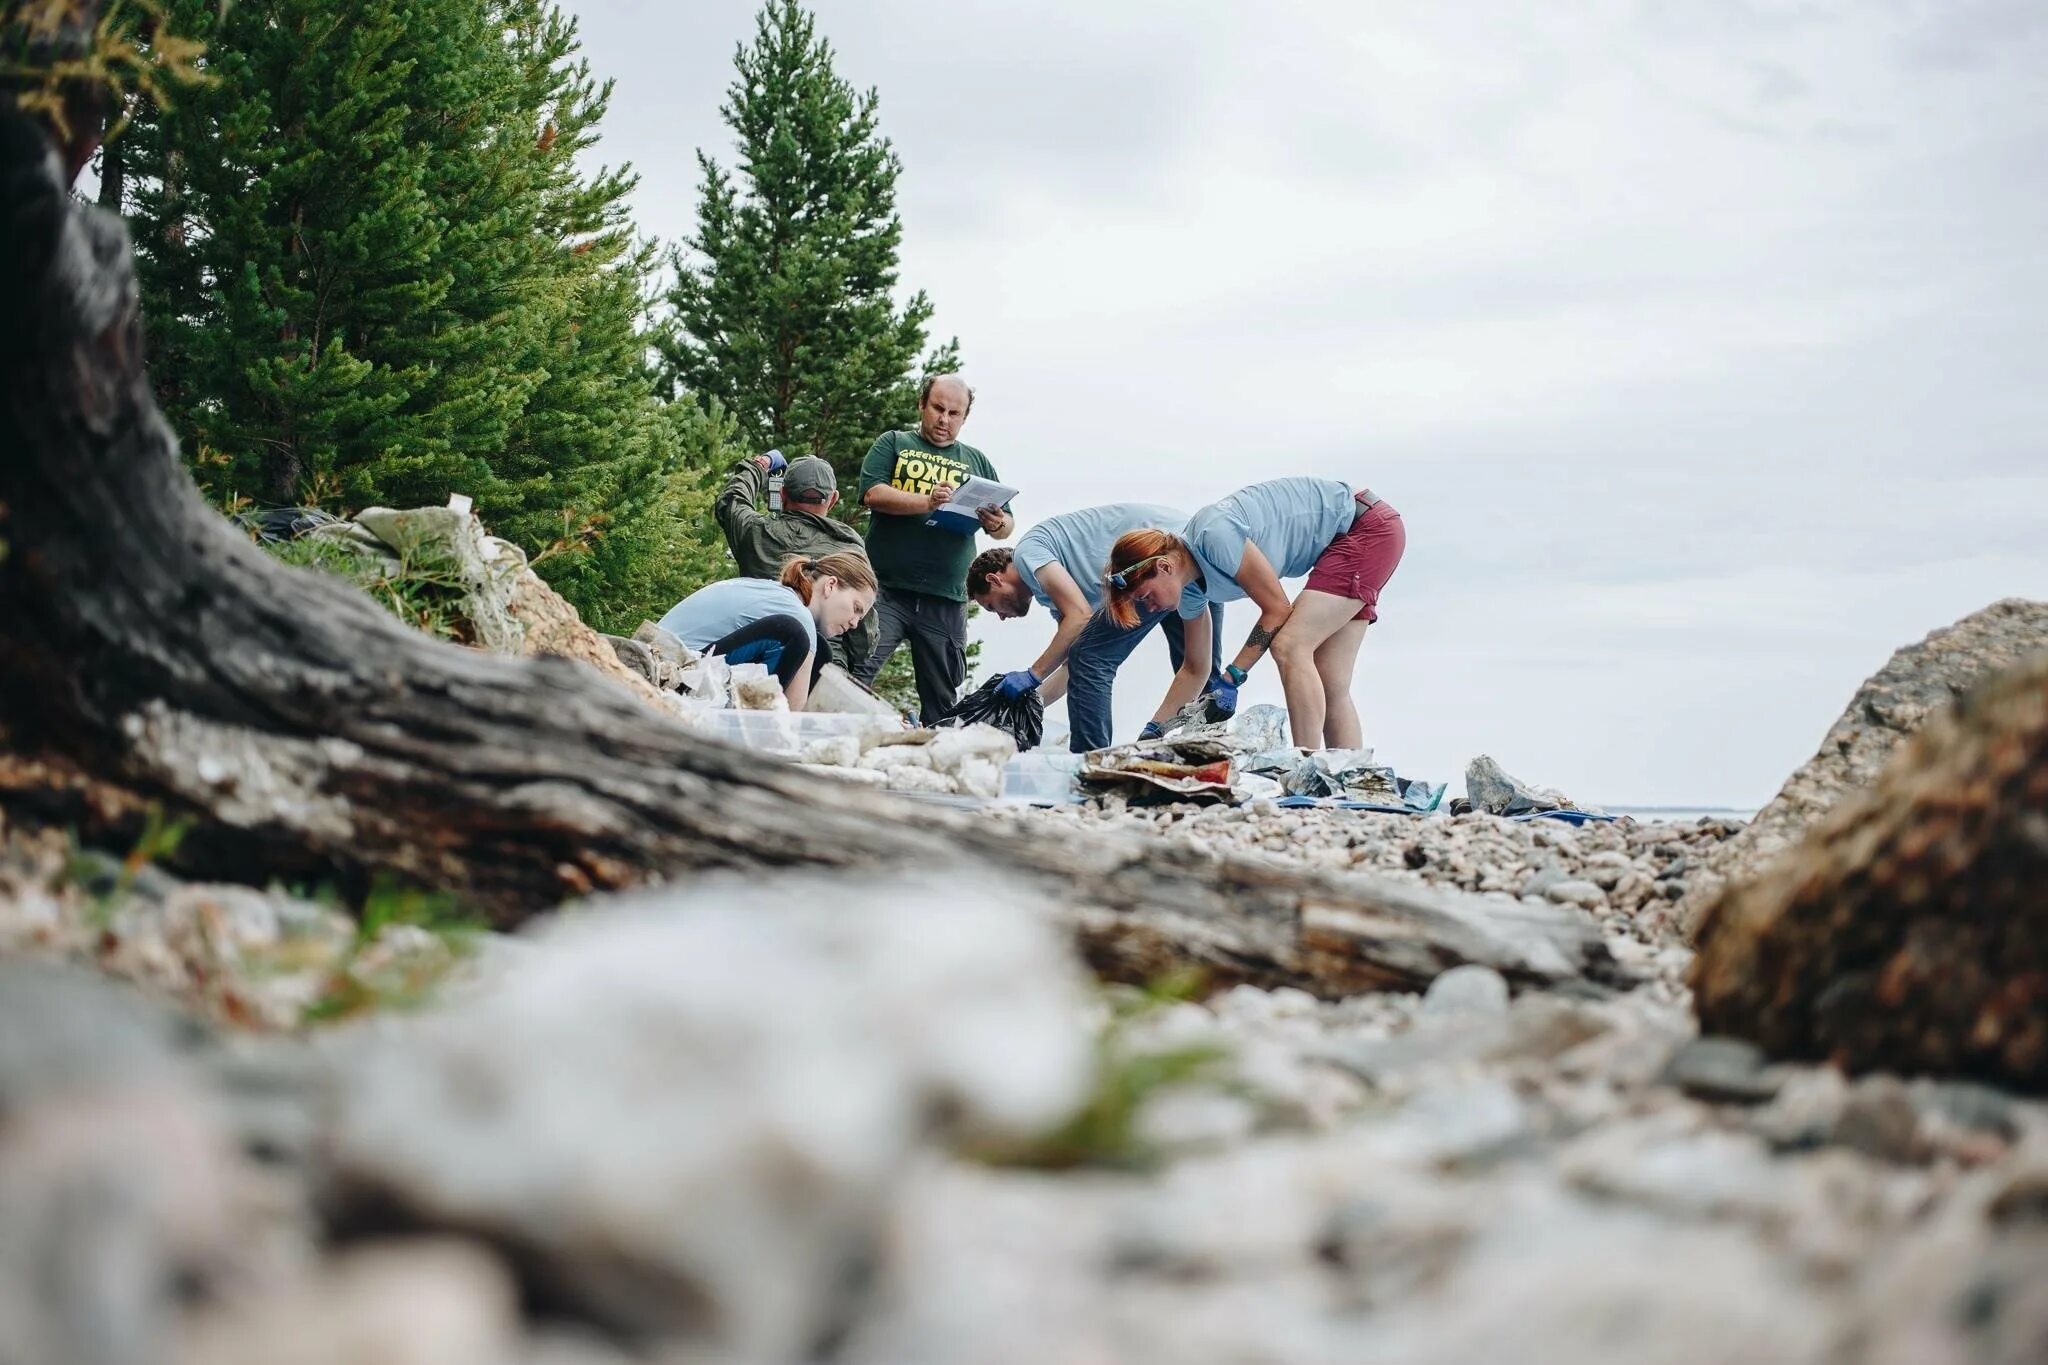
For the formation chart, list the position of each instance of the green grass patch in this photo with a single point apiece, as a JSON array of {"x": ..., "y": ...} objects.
[
  {"x": 357, "y": 987},
  {"x": 89, "y": 870},
  {"x": 1104, "y": 1131},
  {"x": 425, "y": 591}
]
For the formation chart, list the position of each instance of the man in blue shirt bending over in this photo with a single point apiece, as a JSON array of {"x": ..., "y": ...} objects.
[{"x": 1061, "y": 562}]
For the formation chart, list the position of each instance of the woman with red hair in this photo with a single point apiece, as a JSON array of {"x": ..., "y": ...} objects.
[{"x": 1348, "y": 543}]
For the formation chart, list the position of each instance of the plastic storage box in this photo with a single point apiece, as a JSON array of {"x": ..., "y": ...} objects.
[
  {"x": 785, "y": 733},
  {"x": 1039, "y": 778}
]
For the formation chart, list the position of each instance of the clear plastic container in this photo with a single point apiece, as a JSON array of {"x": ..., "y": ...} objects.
[
  {"x": 1039, "y": 778},
  {"x": 785, "y": 733}
]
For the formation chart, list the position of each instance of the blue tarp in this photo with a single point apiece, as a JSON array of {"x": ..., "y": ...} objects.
[
  {"x": 1339, "y": 803},
  {"x": 1570, "y": 817}
]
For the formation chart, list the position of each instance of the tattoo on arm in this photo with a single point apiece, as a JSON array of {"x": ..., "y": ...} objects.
[{"x": 1259, "y": 639}]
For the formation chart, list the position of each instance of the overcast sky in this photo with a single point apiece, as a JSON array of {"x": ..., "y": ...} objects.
[{"x": 1700, "y": 343}]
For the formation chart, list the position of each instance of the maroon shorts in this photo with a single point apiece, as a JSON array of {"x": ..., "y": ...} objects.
[{"x": 1358, "y": 563}]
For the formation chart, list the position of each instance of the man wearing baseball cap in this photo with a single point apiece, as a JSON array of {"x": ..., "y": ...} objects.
[{"x": 762, "y": 541}]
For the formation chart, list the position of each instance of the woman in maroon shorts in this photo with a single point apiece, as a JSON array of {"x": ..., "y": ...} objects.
[{"x": 1348, "y": 543}]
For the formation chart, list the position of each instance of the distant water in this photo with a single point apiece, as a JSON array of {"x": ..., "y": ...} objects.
[{"x": 1682, "y": 815}]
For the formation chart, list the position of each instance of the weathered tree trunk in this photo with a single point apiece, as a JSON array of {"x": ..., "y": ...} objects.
[
  {"x": 148, "y": 652},
  {"x": 113, "y": 196},
  {"x": 1910, "y": 930}
]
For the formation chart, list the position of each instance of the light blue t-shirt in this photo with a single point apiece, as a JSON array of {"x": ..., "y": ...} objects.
[
  {"x": 1079, "y": 542},
  {"x": 716, "y": 610},
  {"x": 1292, "y": 521}
]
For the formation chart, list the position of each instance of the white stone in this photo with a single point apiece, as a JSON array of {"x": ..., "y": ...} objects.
[
  {"x": 688, "y": 1109},
  {"x": 1468, "y": 989},
  {"x": 1583, "y": 894}
]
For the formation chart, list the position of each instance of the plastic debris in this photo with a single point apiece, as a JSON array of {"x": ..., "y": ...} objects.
[
  {"x": 1042, "y": 778},
  {"x": 1262, "y": 727},
  {"x": 274, "y": 525},
  {"x": 754, "y": 688},
  {"x": 1257, "y": 763},
  {"x": 1139, "y": 777},
  {"x": 1188, "y": 766},
  {"x": 837, "y": 690},
  {"x": 1021, "y": 717}
]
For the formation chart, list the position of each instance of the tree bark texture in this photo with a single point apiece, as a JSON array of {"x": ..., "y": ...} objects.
[
  {"x": 149, "y": 653},
  {"x": 1909, "y": 931}
]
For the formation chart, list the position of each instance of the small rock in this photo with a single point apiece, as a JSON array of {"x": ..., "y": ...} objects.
[
  {"x": 1880, "y": 1120},
  {"x": 1806, "y": 1110},
  {"x": 1969, "y": 1106},
  {"x": 1469, "y": 989},
  {"x": 1586, "y": 895},
  {"x": 420, "y": 1302},
  {"x": 1684, "y": 1174},
  {"x": 1607, "y": 870},
  {"x": 1722, "y": 1070},
  {"x": 1185, "y": 1119}
]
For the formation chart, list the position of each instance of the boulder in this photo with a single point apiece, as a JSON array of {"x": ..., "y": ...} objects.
[
  {"x": 1970, "y": 1288},
  {"x": 637, "y": 657},
  {"x": 548, "y": 624},
  {"x": 510, "y": 608},
  {"x": 684, "y": 1118},
  {"x": 1909, "y": 932},
  {"x": 1919, "y": 680},
  {"x": 1490, "y": 788},
  {"x": 117, "y": 1185}
]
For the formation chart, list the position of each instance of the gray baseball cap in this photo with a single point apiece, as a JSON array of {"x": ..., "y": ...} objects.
[{"x": 808, "y": 479}]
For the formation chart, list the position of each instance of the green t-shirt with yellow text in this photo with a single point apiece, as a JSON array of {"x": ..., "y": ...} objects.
[{"x": 907, "y": 554}]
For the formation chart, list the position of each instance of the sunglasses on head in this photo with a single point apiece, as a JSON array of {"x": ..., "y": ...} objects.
[{"x": 1135, "y": 574}]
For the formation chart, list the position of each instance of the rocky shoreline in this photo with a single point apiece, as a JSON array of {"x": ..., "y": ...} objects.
[
  {"x": 1460, "y": 1174},
  {"x": 792, "y": 1117}
]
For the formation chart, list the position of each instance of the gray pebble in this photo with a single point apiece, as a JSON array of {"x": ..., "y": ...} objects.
[{"x": 1722, "y": 1070}]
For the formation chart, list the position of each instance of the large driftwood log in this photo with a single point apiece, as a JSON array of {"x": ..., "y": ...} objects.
[
  {"x": 1910, "y": 930},
  {"x": 148, "y": 653}
]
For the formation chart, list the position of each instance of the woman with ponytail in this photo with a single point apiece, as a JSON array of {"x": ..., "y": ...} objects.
[
  {"x": 779, "y": 624},
  {"x": 1348, "y": 543}
]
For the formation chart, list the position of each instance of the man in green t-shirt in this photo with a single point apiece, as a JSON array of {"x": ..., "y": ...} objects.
[{"x": 923, "y": 569}]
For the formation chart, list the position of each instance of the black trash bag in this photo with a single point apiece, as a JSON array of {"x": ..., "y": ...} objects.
[
  {"x": 275, "y": 525},
  {"x": 1022, "y": 717}
]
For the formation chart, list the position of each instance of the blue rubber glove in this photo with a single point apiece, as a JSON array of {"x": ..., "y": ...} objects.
[
  {"x": 1016, "y": 684},
  {"x": 1153, "y": 730},
  {"x": 777, "y": 462},
  {"x": 1222, "y": 701}
]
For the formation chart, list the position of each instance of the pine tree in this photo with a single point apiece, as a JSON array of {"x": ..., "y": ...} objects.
[
  {"x": 783, "y": 308},
  {"x": 643, "y": 566},
  {"x": 595, "y": 446},
  {"x": 375, "y": 274}
]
